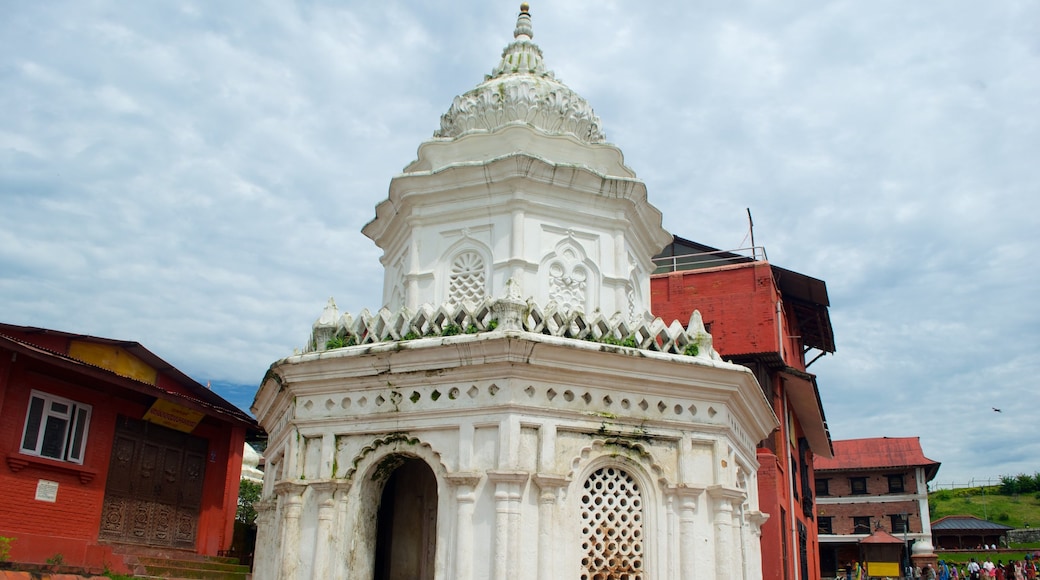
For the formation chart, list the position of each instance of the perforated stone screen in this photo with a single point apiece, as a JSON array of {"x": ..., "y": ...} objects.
[
  {"x": 611, "y": 527},
  {"x": 467, "y": 281}
]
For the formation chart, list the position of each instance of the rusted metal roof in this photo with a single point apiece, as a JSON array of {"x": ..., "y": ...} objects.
[
  {"x": 200, "y": 398},
  {"x": 877, "y": 453}
]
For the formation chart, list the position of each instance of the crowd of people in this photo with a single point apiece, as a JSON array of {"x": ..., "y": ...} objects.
[
  {"x": 1014, "y": 570},
  {"x": 987, "y": 570}
]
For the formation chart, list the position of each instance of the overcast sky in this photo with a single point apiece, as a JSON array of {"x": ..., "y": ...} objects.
[{"x": 194, "y": 175}]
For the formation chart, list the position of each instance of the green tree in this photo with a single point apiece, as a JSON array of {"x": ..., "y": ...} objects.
[{"x": 248, "y": 493}]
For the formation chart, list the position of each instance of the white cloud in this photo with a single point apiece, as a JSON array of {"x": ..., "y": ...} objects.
[{"x": 195, "y": 177}]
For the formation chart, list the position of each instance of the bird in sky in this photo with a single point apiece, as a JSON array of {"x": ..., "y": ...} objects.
[{"x": 997, "y": 410}]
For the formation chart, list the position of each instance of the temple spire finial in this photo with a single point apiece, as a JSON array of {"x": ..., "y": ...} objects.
[{"x": 523, "y": 29}]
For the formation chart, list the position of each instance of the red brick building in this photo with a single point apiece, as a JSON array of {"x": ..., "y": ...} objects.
[
  {"x": 108, "y": 447},
  {"x": 768, "y": 319},
  {"x": 868, "y": 484}
]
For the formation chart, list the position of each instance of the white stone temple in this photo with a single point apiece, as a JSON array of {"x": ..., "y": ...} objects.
[{"x": 514, "y": 411}]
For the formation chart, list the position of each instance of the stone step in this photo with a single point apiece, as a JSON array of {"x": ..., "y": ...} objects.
[{"x": 221, "y": 565}]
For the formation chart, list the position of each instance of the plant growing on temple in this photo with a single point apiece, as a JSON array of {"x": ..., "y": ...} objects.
[{"x": 248, "y": 494}]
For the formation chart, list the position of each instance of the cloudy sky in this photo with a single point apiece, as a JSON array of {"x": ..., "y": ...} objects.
[{"x": 194, "y": 175}]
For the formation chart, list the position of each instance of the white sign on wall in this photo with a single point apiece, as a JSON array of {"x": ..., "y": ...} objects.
[{"x": 47, "y": 491}]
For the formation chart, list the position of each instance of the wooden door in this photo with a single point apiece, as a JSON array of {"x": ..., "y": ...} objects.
[{"x": 154, "y": 487}]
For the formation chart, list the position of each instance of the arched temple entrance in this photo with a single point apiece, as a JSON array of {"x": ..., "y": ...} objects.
[{"x": 406, "y": 528}]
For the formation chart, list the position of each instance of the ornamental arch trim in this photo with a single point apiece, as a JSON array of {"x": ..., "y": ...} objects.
[{"x": 369, "y": 460}]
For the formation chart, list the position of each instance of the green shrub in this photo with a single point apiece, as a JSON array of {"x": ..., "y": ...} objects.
[
  {"x": 5, "y": 548},
  {"x": 248, "y": 493}
]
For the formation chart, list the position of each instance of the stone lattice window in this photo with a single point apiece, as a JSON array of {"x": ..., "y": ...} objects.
[
  {"x": 468, "y": 279},
  {"x": 611, "y": 527}
]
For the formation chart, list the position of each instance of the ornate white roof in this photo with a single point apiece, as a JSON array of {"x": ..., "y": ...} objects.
[{"x": 521, "y": 90}]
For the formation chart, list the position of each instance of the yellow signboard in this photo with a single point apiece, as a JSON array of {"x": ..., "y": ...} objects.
[
  {"x": 114, "y": 359},
  {"x": 173, "y": 416},
  {"x": 883, "y": 569}
]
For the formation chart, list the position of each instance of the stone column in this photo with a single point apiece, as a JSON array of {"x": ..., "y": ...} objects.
[
  {"x": 325, "y": 540},
  {"x": 266, "y": 537},
  {"x": 465, "y": 485},
  {"x": 722, "y": 500},
  {"x": 550, "y": 486},
  {"x": 756, "y": 519},
  {"x": 687, "y": 498},
  {"x": 508, "y": 492},
  {"x": 292, "y": 507}
]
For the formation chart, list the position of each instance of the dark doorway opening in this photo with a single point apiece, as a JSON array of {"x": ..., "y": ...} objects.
[{"x": 406, "y": 532}]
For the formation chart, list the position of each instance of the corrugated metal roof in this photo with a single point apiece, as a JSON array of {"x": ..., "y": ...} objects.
[
  {"x": 967, "y": 523},
  {"x": 200, "y": 395},
  {"x": 877, "y": 453}
]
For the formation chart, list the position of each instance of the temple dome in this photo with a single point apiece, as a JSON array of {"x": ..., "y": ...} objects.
[{"x": 520, "y": 90}]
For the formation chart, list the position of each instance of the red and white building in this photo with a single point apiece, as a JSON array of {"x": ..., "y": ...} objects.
[
  {"x": 879, "y": 482},
  {"x": 107, "y": 448}
]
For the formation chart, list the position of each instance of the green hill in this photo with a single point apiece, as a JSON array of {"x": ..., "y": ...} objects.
[{"x": 988, "y": 503}]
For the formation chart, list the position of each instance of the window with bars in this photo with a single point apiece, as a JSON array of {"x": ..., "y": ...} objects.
[
  {"x": 895, "y": 484},
  {"x": 823, "y": 487},
  {"x": 55, "y": 428},
  {"x": 899, "y": 523},
  {"x": 858, "y": 485},
  {"x": 611, "y": 526},
  {"x": 824, "y": 524},
  {"x": 861, "y": 525}
]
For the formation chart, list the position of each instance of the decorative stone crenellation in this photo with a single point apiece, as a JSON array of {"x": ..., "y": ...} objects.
[{"x": 333, "y": 330}]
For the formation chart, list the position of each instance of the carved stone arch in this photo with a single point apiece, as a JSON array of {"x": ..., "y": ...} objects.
[
  {"x": 371, "y": 455},
  {"x": 569, "y": 278},
  {"x": 609, "y": 448},
  {"x": 369, "y": 473},
  {"x": 465, "y": 272}
]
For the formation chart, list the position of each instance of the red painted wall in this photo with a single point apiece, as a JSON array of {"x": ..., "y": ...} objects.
[
  {"x": 738, "y": 304},
  {"x": 69, "y": 526}
]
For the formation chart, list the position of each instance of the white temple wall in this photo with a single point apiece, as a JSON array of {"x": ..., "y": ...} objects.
[
  {"x": 510, "y": 520},
  {"x": 515, "y": 242}
]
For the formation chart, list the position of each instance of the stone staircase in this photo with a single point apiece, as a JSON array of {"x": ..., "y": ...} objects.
[{"x": 181, "y": 565}]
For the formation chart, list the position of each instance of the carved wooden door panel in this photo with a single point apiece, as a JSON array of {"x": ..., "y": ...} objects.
[{"x": 154, "y": 487}]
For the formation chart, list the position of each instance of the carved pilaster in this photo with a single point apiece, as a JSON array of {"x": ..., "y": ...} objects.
[
  {"x": 465, "y": 485},
  {"x": 291, "y": 493},
  {"x": 687, "y": 498},
  {"x": 324, "y": 496},
  {"x": 723, "y": 498},
  {"x": 550, "y": 486},
  {"x": 509, "y": 486}
]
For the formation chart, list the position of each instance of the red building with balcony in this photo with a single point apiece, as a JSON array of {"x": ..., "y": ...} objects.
[
  {"x": 768, "y": 319},
  {"x": 108, "y": 449}
]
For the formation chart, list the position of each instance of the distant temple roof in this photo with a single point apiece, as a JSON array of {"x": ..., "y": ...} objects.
[
  {"x": 877, "y": 453},
  {"x": 966, "y": 523}
]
